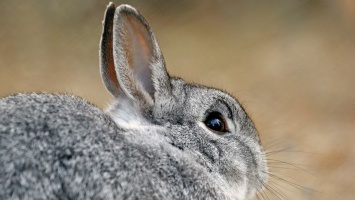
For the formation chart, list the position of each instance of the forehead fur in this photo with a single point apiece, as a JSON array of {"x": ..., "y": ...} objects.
[{"x": 191, "y": 101}]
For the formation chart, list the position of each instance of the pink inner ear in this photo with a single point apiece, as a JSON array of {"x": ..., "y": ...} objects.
[
  {"x": 140, "y": 52},
  {"x": 111, "y": 72}
]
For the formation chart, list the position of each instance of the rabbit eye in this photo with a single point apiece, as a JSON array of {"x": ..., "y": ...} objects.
[{"x": 216, "y": 122}]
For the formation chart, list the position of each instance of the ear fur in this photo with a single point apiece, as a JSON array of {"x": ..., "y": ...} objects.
[
  {"x": 107, "y": 67},
  {"x": 129, "y": 46}
]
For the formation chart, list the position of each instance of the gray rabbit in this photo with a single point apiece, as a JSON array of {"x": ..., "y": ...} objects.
[{"x": 161, "y": 138}]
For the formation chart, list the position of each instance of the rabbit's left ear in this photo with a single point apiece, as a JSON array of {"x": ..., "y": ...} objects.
[
  {"x": 137, "y": 60},
  {"x": 107, "y": 66}
]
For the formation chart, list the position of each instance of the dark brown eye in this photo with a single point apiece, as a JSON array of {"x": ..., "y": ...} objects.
[{"x": 216, "y": 122}]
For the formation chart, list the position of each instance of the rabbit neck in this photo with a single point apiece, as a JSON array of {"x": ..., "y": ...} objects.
[{"x": 128, "y": 116}]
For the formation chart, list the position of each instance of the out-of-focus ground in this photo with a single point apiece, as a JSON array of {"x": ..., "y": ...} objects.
[{"x": 290, "y": 63}]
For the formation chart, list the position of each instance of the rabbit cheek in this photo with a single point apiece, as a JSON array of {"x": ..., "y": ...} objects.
[{"x": 234, "y": 172}]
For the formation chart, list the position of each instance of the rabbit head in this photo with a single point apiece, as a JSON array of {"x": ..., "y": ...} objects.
[{"x": 206, "y": 124}]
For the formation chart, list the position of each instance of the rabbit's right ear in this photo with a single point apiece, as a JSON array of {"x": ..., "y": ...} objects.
[{"x": 132, "y": 65}]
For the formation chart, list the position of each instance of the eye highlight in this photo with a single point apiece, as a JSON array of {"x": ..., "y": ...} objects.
[{"x": 216, "y": 122}]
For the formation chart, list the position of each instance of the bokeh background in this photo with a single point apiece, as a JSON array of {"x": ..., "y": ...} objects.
[{"x": 291, "y": 63}]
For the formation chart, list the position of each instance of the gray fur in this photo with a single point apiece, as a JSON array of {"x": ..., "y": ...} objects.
[{"x": 151, "y": 144}]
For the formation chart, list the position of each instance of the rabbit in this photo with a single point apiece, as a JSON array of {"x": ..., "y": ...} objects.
[{"x": 160, "y": 138}]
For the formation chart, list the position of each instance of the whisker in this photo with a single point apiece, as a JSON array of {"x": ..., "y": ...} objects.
[
  {"x": 281, "y": 167},
  {"x": 257, "y": 194},
  {"x": 269, "y": 153},
  {"x": 278, "y": 184},
  {"x": 288, "y": 151},
  {"x": 260, "y": 191},
  {"x": 297, "y": 166},
  {"x": 272, "y": 144},
  {"x": 276, "y": 193},
  {"x": 264, "y": 191},
  {"x": 291, "y": 183}
]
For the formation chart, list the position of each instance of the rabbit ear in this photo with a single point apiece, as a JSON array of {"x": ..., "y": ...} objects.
[
  {"x": 107, "y": 67},
  {"x": 138, "y": 62}
]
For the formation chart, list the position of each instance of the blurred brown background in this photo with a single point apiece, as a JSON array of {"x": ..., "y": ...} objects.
[{"x": 290, "y": 62}]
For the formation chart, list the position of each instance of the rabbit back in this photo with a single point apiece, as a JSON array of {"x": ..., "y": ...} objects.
[{"x": 61, "y": 147}]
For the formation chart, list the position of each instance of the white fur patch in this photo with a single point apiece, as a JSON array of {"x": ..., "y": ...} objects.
[{"x": 129, "y": 120}]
